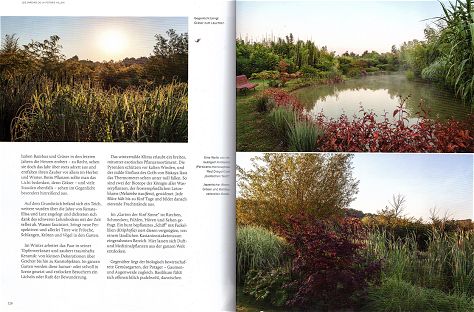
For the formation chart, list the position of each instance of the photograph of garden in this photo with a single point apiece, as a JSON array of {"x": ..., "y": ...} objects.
[
  {"x": 355, "y": 232},
  {"x": 94, "y": 79},
  {"x": 355, "y": 76}
]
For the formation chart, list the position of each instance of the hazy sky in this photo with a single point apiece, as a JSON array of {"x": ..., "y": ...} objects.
[
  {"x": 427, "y": 180},
  {"x": 340, "y": 25},
  {"x": 95, "y": 38}
]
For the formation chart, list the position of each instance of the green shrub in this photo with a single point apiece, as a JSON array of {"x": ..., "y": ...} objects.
[
  {"x": 303, "y": 136},
  {"x": 283, "y": 119},
  {"x": 372, "y": 69},
  {"x": 354, "y": 72},
  {"x": 397, "y": 295},
  {"x": 410, "y": 74},
  {"x": 309, "y": 71},
  {"x": 258, "y": 248},
  {"x": 274, "y": 84},
  {"x": 269, "y": 285}
]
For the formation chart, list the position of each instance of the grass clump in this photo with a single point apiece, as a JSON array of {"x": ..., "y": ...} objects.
[
  {"x": 283, "y": 119},
  {"x": 258, "y": 248},
  {"x": 301, "y": 135},
  {"x": 447, "y": 264},
  {"x": 397, "y": 295}
]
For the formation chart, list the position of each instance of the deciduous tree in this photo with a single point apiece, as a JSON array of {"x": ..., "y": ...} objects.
[{"x": 281, "y": 185}]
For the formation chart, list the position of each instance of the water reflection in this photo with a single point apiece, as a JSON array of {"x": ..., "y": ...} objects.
[{"x": 381, "y": 94}]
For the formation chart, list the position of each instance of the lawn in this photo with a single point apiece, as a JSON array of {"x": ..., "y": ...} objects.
[{"x": 254, "y": 130}]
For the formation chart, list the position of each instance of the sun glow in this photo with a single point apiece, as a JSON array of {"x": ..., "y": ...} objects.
[{"x": 112, "y": 42}]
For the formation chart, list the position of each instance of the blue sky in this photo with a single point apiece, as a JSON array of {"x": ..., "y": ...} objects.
[
  {"x": 426, "y": 180},
  {"x": 340, "y": 25},
  {"x": 86, "y": 36}
]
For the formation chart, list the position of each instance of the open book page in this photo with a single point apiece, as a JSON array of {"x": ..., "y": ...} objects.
[{"x": 117, "y": 156}]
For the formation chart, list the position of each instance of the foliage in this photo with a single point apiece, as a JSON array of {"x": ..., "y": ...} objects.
[
  {"x": 258, "y": 249},
  {"x": 447, "y": 53},
  {"x": 274, "y": 84},
  {"x": 310, "y": 72},
  {"x": 416, "y": 54},
  {"x": 15, "y": 93},
  {"x": 305, "y": 56},
  {"x": 37, "y": 81},
  {"x": 458, "y": 53},
  {"x": 284, "y": 99},
  {"x": 254, "y": 58},
  {"x": 410, "y": 75},
  {"x": 400, "y": 229},
  {"x": 169, "y": 61},
  {"x": 269, "y": 285},
  {"x": 281, "y": 185},
  {"x": 434, "y": 71},
  {"x": 283, "y": 119},
  {"x": 262, "y": 103},
  {"x": 365, "y": 134},
  {"x": 13, "y": 59},
  {"x": 398, "y": 295},
  {"x": 327, "y": 268},
  {"x": 395, "y": 209},
  {"x": 266, "y": 75},
  {"x": 82, "y": 113},
  {"x": 288, "y": 120}
]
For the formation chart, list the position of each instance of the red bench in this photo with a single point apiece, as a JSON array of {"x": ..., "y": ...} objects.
[{"x": 244, "y": 84}]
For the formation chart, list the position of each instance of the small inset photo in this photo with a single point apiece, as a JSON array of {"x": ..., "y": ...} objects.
[{"x": 94, "y": 79}]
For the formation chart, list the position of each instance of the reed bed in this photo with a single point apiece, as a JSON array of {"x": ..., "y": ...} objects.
[{"x": 447, "y": 264}]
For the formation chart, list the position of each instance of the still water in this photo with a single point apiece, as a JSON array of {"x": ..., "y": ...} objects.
[{"x": 381, "y": 94}]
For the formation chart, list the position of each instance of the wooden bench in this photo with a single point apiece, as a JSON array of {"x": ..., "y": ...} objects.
[{"x": 244, "y": 84}]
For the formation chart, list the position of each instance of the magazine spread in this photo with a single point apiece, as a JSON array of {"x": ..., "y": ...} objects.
[
  {"x": 236, "y": 155},
  {"x": 117, "y": 192}
]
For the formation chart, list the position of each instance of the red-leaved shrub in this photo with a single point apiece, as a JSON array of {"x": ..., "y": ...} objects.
[
  {"x": 364, "y": 133},
  {"x": 327, "y": 269}
]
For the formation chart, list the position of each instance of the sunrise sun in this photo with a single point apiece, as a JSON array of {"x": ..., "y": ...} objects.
[{"x": 112, "y": 42}]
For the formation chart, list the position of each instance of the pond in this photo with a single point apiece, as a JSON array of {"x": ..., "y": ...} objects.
[{"x": 381, "y": 93}]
